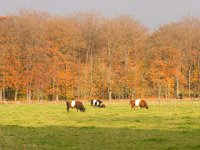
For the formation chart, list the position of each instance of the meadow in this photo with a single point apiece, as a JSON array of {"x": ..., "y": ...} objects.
[{"x": 49, "y": 126}]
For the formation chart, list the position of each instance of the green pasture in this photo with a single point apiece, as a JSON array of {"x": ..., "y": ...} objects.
[{"x": 49, "y": 126}]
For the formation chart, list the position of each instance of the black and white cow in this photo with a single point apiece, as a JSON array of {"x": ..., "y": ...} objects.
[
  {"x": 75, "y": 104},
  {"x": 97, "y": 103}
]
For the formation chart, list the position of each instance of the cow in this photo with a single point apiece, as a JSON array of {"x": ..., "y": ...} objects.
[
  {"x": 138, "y": 103},
  {"x": 75, "y": 104},
  {"x": 97, "y": 103}
]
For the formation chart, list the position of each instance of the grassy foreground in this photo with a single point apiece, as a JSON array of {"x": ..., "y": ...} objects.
[{"x": 49, "y": 126}]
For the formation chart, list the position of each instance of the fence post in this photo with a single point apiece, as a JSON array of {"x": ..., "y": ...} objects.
[{"x": 175, "y": 103}]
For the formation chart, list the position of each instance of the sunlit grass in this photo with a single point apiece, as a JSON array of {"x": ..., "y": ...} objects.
[{"x": 49, "y": 126}]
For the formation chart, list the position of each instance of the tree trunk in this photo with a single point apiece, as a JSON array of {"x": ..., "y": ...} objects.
[
  {"x": 54, "y": 81},
  {"x": 166, "y": 93},
  {"x": 85, "y": 75},
  {"x": 16, "y": 93},
  {"x": 110, "y": 94},
  {"x": 3, "y": 91},
  {"x": 189, "y": 81},
  {"x": 126, "y": 73},
  {"x": 78, "y": 78},
  {"x": 28, "y": 95},
  {"x": 57, "y": 97},
  {"x": 1, "y": 94},
  {"x": 198, "y": 90},
  {"x": 159, "y": 93},
  {"x": 103, "y": 90},
  {"x": 132, "y": 93},
  {"x": 177, "y": 88},
  {"x": 91, "y": 72},
  {"x": 4, "y": 94},
  {"x": 109, "y": 74},
  {"x": 38, "y": 96},
  {"x": 177, "y": 92}
]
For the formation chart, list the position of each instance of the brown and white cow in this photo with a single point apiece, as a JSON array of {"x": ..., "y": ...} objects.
[
  {"x": 75, "y": 104},
  {"x": 139, "y": 103}
]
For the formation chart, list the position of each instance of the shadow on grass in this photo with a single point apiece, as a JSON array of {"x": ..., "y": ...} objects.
[{"x": 91, "y": 137}]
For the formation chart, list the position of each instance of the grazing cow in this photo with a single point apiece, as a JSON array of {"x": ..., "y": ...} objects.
[
  {"x": 95, "y": 103},
  {"x": 139, "y": 103},
  {"x": 75, "y": 104}
]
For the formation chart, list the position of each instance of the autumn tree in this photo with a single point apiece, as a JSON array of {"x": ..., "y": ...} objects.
[{"x": 86, "y": 55}]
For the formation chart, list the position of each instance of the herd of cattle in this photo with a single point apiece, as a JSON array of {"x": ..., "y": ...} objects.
[{"x": 98, "y": 103}]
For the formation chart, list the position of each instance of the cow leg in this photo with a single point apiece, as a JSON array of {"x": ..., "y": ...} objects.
[
  {"x": 99, "y": 104},
  {"x": 67, "y": 109},
  {"x": 133, "y": 107},
  {"x": 77, "y": 109}
]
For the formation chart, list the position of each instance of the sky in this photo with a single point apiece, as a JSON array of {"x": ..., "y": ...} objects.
[{"x": 150, "y": 13}]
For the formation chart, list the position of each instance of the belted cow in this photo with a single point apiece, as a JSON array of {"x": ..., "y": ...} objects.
[
  {"x": 75, "y": 104},
  {"x": 97, "y": 103},
  {"x": 139, "y": 103}
]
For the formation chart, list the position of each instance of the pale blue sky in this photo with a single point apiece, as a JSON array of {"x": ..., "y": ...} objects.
[{"x": 151, "y": 13}]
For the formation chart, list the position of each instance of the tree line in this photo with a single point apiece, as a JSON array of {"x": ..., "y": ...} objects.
[{"x": 86, "y": 55}]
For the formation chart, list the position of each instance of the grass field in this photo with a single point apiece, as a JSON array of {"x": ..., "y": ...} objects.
[{"x": 49, "y": 126}]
